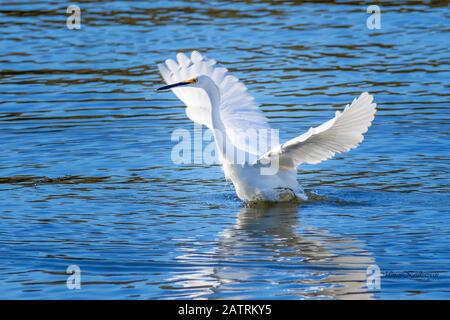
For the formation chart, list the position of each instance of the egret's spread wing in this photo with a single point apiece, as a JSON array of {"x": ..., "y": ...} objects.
[
  {"x": 238, "y": 111},
  {"x": 340, "y": 134}
]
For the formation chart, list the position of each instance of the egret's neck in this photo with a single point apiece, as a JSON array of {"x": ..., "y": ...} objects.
[
  {"x": 217, "y": 126},
  {"x": 214, "y": 97}
]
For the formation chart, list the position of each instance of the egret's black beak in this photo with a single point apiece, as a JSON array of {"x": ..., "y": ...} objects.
[{"x": 170, "y": 86}]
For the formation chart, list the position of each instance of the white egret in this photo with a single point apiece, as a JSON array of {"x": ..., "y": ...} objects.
[{"x": 221, "y": 102}]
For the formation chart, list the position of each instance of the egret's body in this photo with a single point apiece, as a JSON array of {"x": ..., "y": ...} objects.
[
  {"x": 251, "y": 185},
  {"x": 221, "y": 103}
]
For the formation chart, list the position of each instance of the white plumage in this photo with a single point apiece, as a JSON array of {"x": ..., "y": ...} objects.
[
  {"x": 238, "y": 109},
  {"x": 222, "y": 103},
  {"x": 340, "y": 134}
]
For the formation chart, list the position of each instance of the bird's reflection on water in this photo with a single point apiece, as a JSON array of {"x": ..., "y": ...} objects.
[{"x": 305, "y": 262}]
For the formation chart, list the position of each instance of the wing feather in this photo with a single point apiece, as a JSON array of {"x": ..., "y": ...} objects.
[
  {"x": 340, "y": 134},
  {"x": 238, "y": 110}
]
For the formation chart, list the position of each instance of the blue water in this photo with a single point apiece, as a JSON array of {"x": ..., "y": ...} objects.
[{"x": 86, "y": 176}]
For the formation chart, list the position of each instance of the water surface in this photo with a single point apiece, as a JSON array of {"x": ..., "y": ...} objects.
[{"x": 86, "y": 176}]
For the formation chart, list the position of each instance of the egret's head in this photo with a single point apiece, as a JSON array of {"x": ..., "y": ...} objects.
[{"x": 190, "y": 82}]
